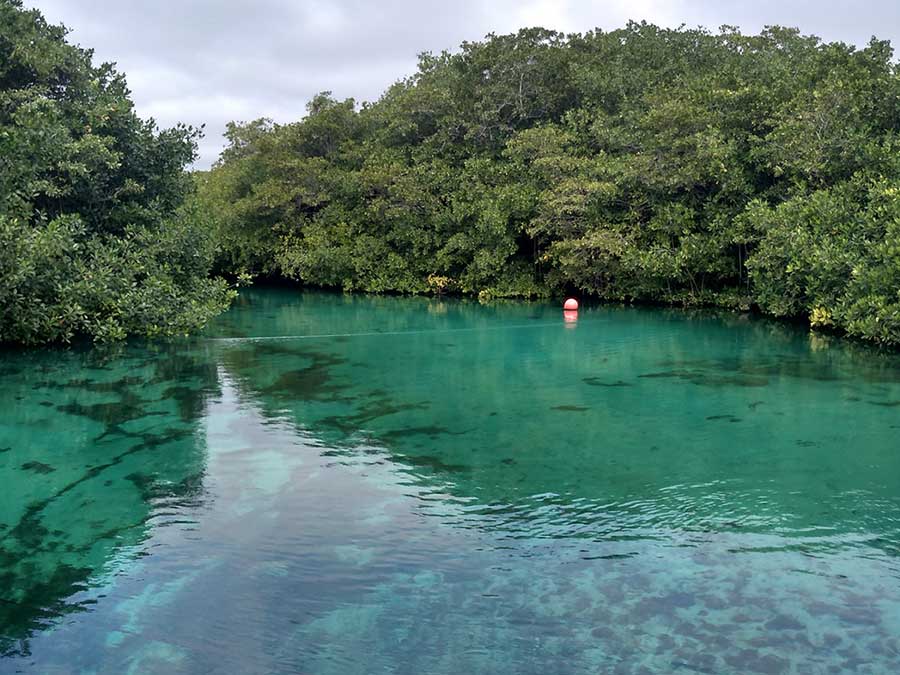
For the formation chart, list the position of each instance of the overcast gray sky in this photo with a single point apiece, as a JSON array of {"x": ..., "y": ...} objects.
[{"x": 214, "y": 61}]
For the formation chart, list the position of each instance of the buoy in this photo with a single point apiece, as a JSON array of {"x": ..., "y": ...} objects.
[{"x": 571, "y": 305}]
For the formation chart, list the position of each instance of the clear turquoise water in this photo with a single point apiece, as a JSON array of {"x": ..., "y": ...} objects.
[{"x": 327, "y": 484}]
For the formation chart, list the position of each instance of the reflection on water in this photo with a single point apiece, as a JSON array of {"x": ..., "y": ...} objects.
[
  {"x": 94, "y": 450},
  {"x": 332, "y": 484}
]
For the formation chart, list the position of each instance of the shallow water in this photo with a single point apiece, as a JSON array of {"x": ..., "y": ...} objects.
[{"x": 331, "y": 484}]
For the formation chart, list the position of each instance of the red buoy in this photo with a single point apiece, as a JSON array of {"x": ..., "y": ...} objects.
[{"x": 571, "y": 305}]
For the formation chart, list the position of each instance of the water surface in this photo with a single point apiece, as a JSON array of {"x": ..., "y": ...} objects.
[{"x": 333, "y": 484}]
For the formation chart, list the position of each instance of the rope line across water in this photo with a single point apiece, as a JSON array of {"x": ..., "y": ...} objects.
[{"x": 380, "y": 333}]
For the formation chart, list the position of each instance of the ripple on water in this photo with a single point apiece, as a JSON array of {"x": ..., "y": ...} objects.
[{"x": 644, "y": 492}]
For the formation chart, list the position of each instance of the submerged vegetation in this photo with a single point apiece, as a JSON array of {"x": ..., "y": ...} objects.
[{"x": 643, "y": 164}]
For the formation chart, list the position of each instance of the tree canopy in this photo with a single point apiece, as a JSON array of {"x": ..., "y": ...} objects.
[
  {"x": 95, "y": 235},
  {"x": 678, "y": 166}
]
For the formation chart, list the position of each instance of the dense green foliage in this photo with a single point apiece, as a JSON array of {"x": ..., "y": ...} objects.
[
  {"x": 95, "y": 238},
  {"x": 679, "y": 166}
]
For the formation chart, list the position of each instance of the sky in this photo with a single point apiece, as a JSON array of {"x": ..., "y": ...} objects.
[{"x": 214, "y": 61}]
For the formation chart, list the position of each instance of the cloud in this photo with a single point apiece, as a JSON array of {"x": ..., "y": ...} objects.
[{"x": 213, "y": 61}]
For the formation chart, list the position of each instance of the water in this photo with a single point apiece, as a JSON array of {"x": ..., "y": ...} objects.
[{"x": 327, "y": 485}]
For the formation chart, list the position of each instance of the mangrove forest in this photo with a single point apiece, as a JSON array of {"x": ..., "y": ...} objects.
[{"x": 685, "y": 167}]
